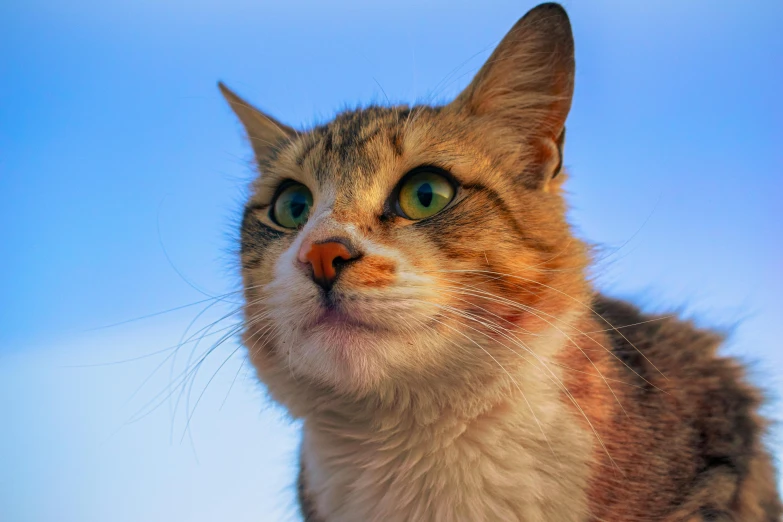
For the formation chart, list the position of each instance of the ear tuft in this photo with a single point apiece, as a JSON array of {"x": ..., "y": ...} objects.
[{"x": 264, "y": 132}]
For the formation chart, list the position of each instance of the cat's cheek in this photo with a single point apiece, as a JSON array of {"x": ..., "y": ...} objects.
[{"x": 372, "y": 272}]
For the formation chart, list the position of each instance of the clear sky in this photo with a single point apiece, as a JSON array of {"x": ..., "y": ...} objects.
[{"x": 122, "y": 173}]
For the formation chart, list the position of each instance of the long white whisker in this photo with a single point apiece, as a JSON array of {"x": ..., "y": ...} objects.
[
  {"x": 538, "y": 313},
  {"x": 516, "y": 384},
  {"x": 591, "y": 309},
  {"x": 492, "y": 297},
  {"x": 556, "y": 380}
]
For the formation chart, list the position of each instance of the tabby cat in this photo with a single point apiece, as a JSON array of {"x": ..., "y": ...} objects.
[{"x": 415, "y": 295}]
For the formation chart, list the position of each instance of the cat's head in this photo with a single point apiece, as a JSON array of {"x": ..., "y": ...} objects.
[{"x": 416, "y": 245}]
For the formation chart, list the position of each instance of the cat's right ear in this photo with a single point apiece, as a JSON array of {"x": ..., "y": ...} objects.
[{"x": 264, "y": 132}]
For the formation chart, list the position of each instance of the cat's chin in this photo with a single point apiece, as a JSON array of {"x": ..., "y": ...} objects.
[
  {"x": 345, "y": 336},
  {"x": 340, "y": 323},
  {"x": 349, "y": 352},
  {"x": 347, "y": 358}
]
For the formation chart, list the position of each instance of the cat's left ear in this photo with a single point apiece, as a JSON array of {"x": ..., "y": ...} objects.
[
  {"x": 526, "y": 86},
  {"x": 264, "y": 132}
]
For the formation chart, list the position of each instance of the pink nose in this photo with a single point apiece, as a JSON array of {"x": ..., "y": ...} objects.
[{"x": 326, "y": 259}]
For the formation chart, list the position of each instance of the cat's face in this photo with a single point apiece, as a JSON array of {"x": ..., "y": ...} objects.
[{"x": 415, "y": 245}]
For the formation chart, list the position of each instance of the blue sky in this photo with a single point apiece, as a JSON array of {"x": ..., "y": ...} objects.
[{"x": 122, "y": 172}]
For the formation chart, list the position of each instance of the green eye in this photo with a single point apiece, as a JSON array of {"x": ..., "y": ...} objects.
[
  {"x": 292, "y": 206},
  {"x": 424, "y": 194}
]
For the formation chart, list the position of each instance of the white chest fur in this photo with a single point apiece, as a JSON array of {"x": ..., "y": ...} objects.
[{"x": 524, "y": 460}]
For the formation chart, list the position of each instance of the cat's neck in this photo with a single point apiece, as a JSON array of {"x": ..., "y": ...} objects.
[{"x": 520, "y": 435}]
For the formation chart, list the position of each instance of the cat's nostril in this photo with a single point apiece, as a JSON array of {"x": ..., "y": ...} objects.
[
  {"x": 339, "y": 262},
  {"x": 326, "y": 258}
]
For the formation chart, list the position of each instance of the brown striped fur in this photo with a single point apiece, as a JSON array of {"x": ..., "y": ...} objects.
[{"x": 474, "y": 373}]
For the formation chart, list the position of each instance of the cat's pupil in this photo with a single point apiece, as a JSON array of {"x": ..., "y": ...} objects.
[
  {"x": 298, "y": 205},
  {"x": 424, "y": 193}
]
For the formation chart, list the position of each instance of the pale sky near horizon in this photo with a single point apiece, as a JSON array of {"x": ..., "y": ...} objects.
[{"x": 122, "y": 173}]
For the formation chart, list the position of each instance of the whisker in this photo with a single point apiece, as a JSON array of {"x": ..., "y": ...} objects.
[
  {"x": 198, "y": 364},
  {"x": 592, "y": 310},
  {"x": 516, "y": 384},
  {"x": 534, "y": 312},
  {"x": 190, "y": 369},
  {"x": 653, "y": 320},
  {"x": 154, "y": 314},
  {"x": 195, "y": 347},
  {"x": 557, "y": 381},
  {"x": 233, "y": 382},
  {"x": 168, "y": 258},
  {"x": 201, "y": 395},
  {"x": 181, "y": 379}
]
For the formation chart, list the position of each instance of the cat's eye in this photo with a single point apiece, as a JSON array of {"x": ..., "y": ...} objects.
[
  {"x": 292, "y": 206},
  {"x": 424, "y": 194}
]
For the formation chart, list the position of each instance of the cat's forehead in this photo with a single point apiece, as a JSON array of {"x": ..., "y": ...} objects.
[
  {"x": 354, "y": 140},
  {"x": 361, "y": 155},
  {"x": 360, "y": 150}
]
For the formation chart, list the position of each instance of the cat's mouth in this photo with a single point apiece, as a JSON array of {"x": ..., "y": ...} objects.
[{"x": 336, "y": 318}]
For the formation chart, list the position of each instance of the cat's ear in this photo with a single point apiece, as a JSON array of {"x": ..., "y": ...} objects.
[
  {"x": 264, "y": 132},
  {"x": 528, "y": 81}
]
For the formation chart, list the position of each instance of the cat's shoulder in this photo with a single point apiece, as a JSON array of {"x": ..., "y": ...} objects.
[
  {"x": 636, "y": 336},
  {"x": 700, "y": 402},
  {"x": 675, "y": 354},
  {"x": 678, "y": 368}
]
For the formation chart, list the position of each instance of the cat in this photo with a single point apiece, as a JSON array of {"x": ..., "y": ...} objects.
[{"x": 415, "y": 295}]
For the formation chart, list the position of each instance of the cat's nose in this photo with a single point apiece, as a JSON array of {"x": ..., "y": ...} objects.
[{"x": 327, "y": 258}]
